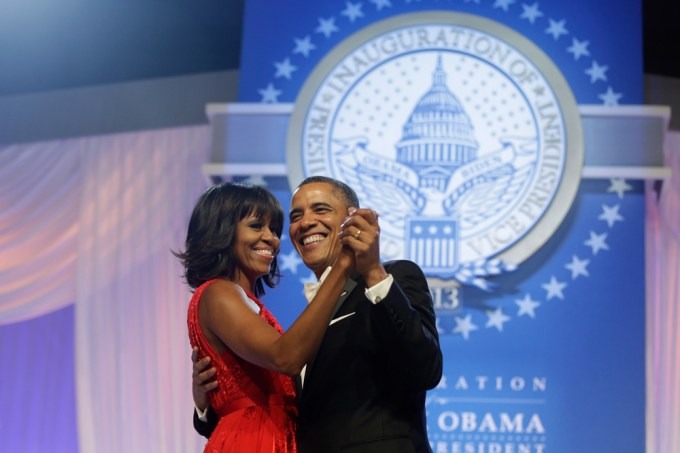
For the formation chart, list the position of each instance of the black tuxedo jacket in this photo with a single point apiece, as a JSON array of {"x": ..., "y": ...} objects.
[{"x": 365, "y": 390}]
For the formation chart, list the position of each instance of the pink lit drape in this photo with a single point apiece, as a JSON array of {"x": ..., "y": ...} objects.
[
  {"x": 91, "y": 221},
  {"x": 663, "y": 307},
  {"x": 39, "y": 209}
]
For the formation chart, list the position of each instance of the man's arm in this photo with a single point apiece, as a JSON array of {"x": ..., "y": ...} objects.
[
  {"x": 404, "y": 318},
  {"x": 406, "y": 325},
  {"x": 205, "y": 428},
  {"x": 203, "y": 381}
]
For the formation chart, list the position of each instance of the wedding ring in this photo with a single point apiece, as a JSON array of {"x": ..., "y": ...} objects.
[{"x": 356, "y": 236}]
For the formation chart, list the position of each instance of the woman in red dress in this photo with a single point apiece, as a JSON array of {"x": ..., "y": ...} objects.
[{"x": 231, "y": 248}]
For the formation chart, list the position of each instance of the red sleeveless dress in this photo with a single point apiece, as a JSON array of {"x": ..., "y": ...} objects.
[{"x": 256, "y": 406}]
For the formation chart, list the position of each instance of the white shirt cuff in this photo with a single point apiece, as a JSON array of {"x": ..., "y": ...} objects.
[
  {"x": 378, "y": 292},
  {"x": 202, "y": 415}
]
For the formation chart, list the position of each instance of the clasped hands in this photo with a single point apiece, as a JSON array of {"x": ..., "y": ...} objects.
[{"x": 361, "y": 232}]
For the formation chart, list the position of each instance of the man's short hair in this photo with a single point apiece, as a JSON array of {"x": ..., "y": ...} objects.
[{"x": 346, "y": 193}]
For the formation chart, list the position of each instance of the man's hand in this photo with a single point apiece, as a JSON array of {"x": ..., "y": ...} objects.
[
  {"x": 361, "y": 232},
  {"x": 202, "y": 379}
]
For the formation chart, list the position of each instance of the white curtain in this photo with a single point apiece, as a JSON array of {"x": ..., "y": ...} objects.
[
  {"x": 132, "y": 350},
  {"x": 663, "y": 307},
  {"x": 92, "y": 220},
  {"x": 39, "y": 208}
]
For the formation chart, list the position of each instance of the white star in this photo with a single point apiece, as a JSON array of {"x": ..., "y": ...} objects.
[
  {"x": 353, "y": 11},
  {"x": 417, "y": 229},
  {"x": 380, "y": 4},
  {"x": 527, "y": 306},
  {"x": 619, "y": 185},
  {"x": 284, "y": 69},
  {"x": 578, "y": 48},
  {"x": 556, "y": 29},
  {"x": 304, "y": 46},
  {"x": 578, "y": 267},
  {"x": 503, "y": 4},
  {"x": 326, "y": 26},
  {"x": 610, "y": 214},
  {"x": 496, "y": 319},
  {"x": 554, "y": 288},
  {"x": 269, "y": 94},
  {"x": 256, "y": 180},
  {"x": 440, "y": 329},
  {"x": 610, "y": 98},
  {"x": 311, "y": 278},
  {"x": 597, "y": 72},
  {"x": 447, "y": 230},
  {"x": 464, "y": 326},
  {"x": 531, "y": 13},
  {"x": 432, "y": 229},
  {"x": 597, "y": 242},
  {"x": 290, "y": 262}
]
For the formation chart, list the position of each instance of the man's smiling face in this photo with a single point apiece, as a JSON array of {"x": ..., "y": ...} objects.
[{"x": 316, "y": 213}]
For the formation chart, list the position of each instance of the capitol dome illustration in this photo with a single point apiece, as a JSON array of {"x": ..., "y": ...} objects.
[{"x": 438, "y": 136}]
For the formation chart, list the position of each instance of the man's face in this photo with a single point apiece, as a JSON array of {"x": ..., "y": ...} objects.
[{"x": 316, "y": 213}]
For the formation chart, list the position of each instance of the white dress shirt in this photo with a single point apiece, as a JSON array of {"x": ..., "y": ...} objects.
[{"x": 375, "y": 293}]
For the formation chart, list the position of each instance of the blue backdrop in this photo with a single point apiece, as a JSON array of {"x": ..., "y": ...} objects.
[{"x": 552, "y": 359}]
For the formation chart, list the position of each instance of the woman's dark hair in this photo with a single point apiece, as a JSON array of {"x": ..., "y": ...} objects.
[{"x": 209, "y": 249}]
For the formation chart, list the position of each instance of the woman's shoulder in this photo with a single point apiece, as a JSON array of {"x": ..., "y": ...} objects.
[
  {"x": 222, "y": 291},
  {"x": 221, "y": 287}
]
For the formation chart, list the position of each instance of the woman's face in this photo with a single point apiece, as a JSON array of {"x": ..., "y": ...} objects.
[{"x": 256, "y": 245}]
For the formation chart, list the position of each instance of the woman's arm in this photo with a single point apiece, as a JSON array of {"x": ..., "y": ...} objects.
[{"x": 228, "y": 321}]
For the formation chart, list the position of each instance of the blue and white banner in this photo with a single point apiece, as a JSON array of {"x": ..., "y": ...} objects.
[{"x": 458, "y": 121}]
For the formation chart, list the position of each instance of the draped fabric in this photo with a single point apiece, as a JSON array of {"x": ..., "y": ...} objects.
[
  {"x": 663, "y": 306},
  {"x": 86, "y": 229},
  {"x": 93, "y": 220},
  {"x": 39, "y": 207}
]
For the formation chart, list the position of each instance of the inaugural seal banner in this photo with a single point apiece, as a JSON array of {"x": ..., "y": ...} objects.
[{"x": 458, "y": 121}]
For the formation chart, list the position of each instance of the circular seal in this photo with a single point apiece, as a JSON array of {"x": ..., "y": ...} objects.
[{"x": 461, "y": 132}]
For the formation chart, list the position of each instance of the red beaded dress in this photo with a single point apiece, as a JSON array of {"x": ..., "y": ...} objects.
[{"x": 256, "y": 406}]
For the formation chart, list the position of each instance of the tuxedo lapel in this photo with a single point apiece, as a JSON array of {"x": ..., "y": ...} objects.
[
  {"x": 349, "y": 287},
  {"x": 347, "y": 290},
  {"x": 298, "y": 388}
]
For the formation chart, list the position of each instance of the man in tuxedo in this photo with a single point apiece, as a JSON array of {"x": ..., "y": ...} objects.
[{"x": 365, "y": 390}]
